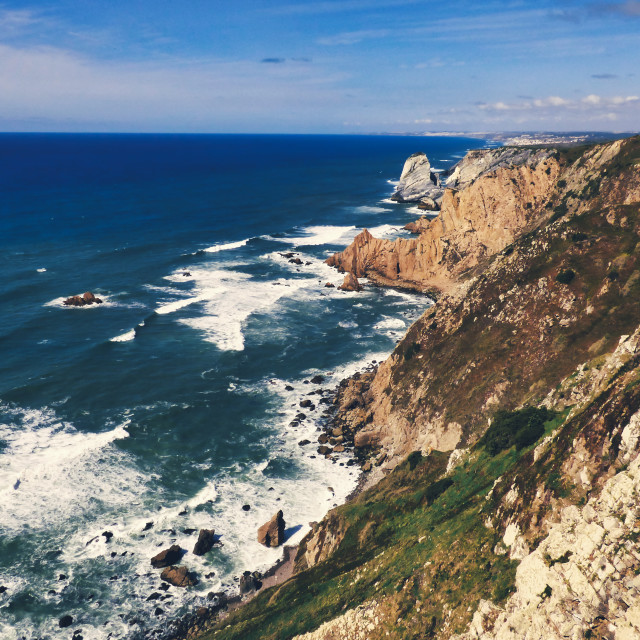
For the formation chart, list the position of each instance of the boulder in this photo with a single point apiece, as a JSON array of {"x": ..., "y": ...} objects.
[
  {"x": 167, "y": 557},
  {"x": 350, "y": 283},
  {"x": 428, "y": 204},
  {"x": 305, "y": 404},
  {"x": 65, "y": 621},
  {"x": 317, "y": 379},
  {"x": 250, "y": 582},
  {"x": 324, "y": 450},
  {"x": 178, "y": 576},
  {"x": 271, "y": 534},
  {"x": 330, "y": 285},
  {"x": 206, "y": 538}
]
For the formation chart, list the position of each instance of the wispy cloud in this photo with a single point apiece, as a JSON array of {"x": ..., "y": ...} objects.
[
  {"x": 604, "y": 76},
  {"x": 628, "y": 8},
  {"x": 273, "y": 60},
  {"x": 592, "y": 105},
  {"x": 48, "y": 84},
  {"x": 339, "y": 6}
]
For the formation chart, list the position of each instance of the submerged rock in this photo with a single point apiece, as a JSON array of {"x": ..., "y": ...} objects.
[
  {"x": 167, "y": 557},
  {"x": 206, "y": 538},
  {"x": 271, "y": 534}
]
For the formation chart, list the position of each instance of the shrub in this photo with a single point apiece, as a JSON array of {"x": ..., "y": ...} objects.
[
  {"x": 436, "y": 489},
  {"x": 566, "y": 276},
  {"x": 562, "y": 184},
  {"x": 520, "y": 428}
]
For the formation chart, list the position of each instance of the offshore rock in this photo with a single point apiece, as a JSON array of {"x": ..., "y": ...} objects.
[
  {"x": 417, "y": 180},
  {"x": 350, "y": 283},
  {"x": 178, "y": 576},
  {"x": 271, "y": 534},
  {"x": 206, "y": 538},
  {"x": 86, "y": 298},
  {"x": 167, "y": 557}
]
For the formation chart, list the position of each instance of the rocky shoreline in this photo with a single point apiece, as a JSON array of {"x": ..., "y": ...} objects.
[{"x": 336, "y": 436}]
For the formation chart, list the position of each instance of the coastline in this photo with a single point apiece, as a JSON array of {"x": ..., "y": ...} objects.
[{"x": 204, "y": 618}]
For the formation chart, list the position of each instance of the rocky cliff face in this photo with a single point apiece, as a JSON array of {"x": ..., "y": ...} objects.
[
  {"x": 501, "y": 197},
  {"x": 503, "y": 435}
]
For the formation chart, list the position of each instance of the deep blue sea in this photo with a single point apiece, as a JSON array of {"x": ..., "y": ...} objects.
[{"x": 170, "y": 403}]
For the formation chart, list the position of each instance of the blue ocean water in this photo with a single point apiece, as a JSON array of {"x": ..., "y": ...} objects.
[{"x": 171, "y": 402}]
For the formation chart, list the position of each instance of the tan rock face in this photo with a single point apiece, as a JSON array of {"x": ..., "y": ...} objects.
[
  {"x": 447, "y": 376},
  {"x": 350, "y": 283},
  {"x": 474, "y": 224},
  {"x": 271, "y": 534}
]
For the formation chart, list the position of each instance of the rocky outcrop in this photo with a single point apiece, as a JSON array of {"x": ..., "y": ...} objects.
[
  {"x": 204, "y": 544},
  {"x": 85, "y": 299},
  {"x": 474, "y": 224},
  {"x": 271, "y": 534},
  {"x": 417, "y": 181},
  {"x": 418, "y": 226},
  {"x": 355, "y": 624},
  {"x": 167, "y": 557},
  {"x": 350, "y": 283},
  {"x": 178, "y": 576},
  {"x": 582, "y": 579}
]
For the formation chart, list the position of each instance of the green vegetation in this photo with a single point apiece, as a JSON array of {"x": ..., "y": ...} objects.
[
  {"x": 520, "y": 428},
  {"x": 566, "y": 276},
  {"x": 398, "y": 545}
]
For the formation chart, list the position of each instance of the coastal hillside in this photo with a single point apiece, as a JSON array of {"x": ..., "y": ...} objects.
[{"x": 500, "y": 440}]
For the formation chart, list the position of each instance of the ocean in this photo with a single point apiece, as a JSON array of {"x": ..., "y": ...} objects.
[{"x": 167, "y": 408}]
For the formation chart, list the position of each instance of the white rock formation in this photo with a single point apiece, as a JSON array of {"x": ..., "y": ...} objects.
[
  {"x": 417, "y": 181},
  {"x": 585, "y": 575}
]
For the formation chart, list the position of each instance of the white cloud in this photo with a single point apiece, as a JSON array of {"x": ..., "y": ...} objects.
[{"x": 51, "y": 85}]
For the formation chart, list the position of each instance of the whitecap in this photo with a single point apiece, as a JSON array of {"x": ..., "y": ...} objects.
[
  {"x": 41, "y": 270},
  {"x": 125, "y": 337},
  {"x": 389, "y": 323},
  {"x": 225, "y": 247},
  {"x": 388, "y": 231},
  {"x": 51, "y": 472},
  {"x": 370, "y": 209},
  {"x": 322, "y": 234},
  {"x": 175, "y": 305}
]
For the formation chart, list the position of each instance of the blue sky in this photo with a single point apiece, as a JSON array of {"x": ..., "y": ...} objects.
[{"x": 319, "y": 66}]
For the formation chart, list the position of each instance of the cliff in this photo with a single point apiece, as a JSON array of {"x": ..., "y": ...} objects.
[
  {"x": 503, "y": 434},
  {"x": 500, "y": 198}
]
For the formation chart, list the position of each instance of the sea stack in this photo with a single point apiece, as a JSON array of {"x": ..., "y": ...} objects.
[
  {"x": 271, "y": 534},
  {"x": 418, "y": 181}
]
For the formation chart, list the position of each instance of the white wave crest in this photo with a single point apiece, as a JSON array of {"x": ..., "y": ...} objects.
[
  {"x": 125, "y": 337},
  {"x": 225, "y": 247}
]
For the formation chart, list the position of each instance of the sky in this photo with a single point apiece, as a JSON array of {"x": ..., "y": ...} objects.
[{"x": 319, "y": 66}]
